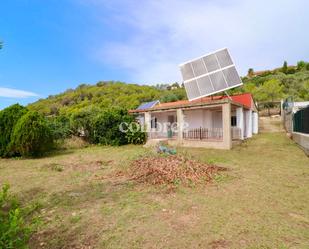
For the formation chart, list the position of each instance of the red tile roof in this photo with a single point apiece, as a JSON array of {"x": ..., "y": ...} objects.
[{"x": 244, "y": 99}]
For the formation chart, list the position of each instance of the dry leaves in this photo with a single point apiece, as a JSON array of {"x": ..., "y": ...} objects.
[{"x": 172, "y": 170}]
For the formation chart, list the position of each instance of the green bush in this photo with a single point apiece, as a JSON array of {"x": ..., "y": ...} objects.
[
  {"x": 136, "y": 135},
  {"x": 8, "y": 119},
  {"x": 14, "y": 233},
  {"x": 291, "y": 70},
  {"x": 81, "y": 121},
  {"x": 60, "y": 127},
  {"x": 301, "y": 65},
  {"x": 31, "y": 136},
  {"x": 105, "y": 127}
]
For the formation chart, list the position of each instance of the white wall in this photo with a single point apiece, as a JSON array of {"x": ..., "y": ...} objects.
[
  {"x": 141, "y": 119},
  {"x": 203, "y": 118},
  {"x": 247, "y": 120},
  {"x": 248, "y": 123},
  {"x": 255, "y": 123},
  {"x": 161, "y": 117},
  {"x": 240, "y": 121},
  {"x": 217, "y": 119},
  {"x": 207, "y": 119},
  {"x": 194, "y": 118},
  {"x": 162, "y": 120}
]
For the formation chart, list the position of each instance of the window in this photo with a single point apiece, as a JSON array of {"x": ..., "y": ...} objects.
[
  {"x": 233, "y": 121},
  {"x": 154, "y": 123}
]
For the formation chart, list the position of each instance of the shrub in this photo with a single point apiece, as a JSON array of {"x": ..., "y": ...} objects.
[
  {"x": 301, "y": 65},
  {"x": 105, "y": 127},
  {"x": 136, "y": 135},
  {"x": 14, "y": 233},
  {"x": 60, "y": 127},
  {"x": 291, "y": 70},
  {"x": 171, "y": 97},
  {"x": 284, "y": 67},
  {"x": 31, "y": 136},
  {"x": 8, "y": 119},
  {"x": 81, "y": 121}
]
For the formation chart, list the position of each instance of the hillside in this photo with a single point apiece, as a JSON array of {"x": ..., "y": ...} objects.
[
  {"x": 280, "y": 83},
  {"x": 104, "y": 95},
  {"x": 268, "y": 85},
  {"x": 295, "y": 84}
]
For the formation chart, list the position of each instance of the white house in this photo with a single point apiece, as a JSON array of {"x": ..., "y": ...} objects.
[{"x": 211, "y": 122}]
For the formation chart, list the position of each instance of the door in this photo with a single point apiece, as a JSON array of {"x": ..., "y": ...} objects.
[{"x": 170, "y": 120}]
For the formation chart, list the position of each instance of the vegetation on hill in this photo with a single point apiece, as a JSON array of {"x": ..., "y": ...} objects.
[
  {"x": 266, "y": 86},
  {"x": 105, "y": 95},
  {"x": 292, "y": 81}
]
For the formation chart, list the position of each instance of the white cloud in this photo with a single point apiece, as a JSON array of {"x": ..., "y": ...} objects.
[
  {"x": 14, "y": 93},
  {"x": 260, "y": 34}
]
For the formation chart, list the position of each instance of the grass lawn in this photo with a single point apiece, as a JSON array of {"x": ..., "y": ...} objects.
[{"x": 262, "y": 202}]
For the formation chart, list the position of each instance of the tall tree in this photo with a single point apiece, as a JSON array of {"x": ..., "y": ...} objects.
[
  {"x": 304, "y": 92},
  {"x": 251, "y": 88},
  {"x": 272, "y": 90},
  {"x": 285, "y": 67},
  {"x": 250, "y": 72}
]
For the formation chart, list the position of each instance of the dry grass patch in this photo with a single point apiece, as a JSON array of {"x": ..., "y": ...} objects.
[
  {"x": 90, "y": 166},
  {"x": 73, "y": 143}
]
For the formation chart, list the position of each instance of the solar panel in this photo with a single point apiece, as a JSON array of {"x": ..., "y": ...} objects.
[
  {"x": 231, "y": 76},
  {"x": 192, "y": 89},
  {"x": 205, "y": 85},
  {"x": 218, "y": 80},
  {"x": 148, "y": 105},
  {"x": 209, "y": 74}
]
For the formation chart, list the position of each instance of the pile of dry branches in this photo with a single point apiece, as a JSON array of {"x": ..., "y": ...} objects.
[{"x": 172, "y": 170}]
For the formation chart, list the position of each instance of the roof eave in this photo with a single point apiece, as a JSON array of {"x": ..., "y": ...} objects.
[
  {"x": 215, "y": 102},
  {"x": 212, "y": 103}
]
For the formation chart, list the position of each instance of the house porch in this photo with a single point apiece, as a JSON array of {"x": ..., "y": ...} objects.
[{"x": 217, "y": 126}]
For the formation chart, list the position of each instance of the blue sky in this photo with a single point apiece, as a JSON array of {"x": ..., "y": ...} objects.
[{"x": 52, "y": 45}]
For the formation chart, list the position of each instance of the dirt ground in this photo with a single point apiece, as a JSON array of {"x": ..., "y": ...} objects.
[{"x": 270, "y": 124}]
